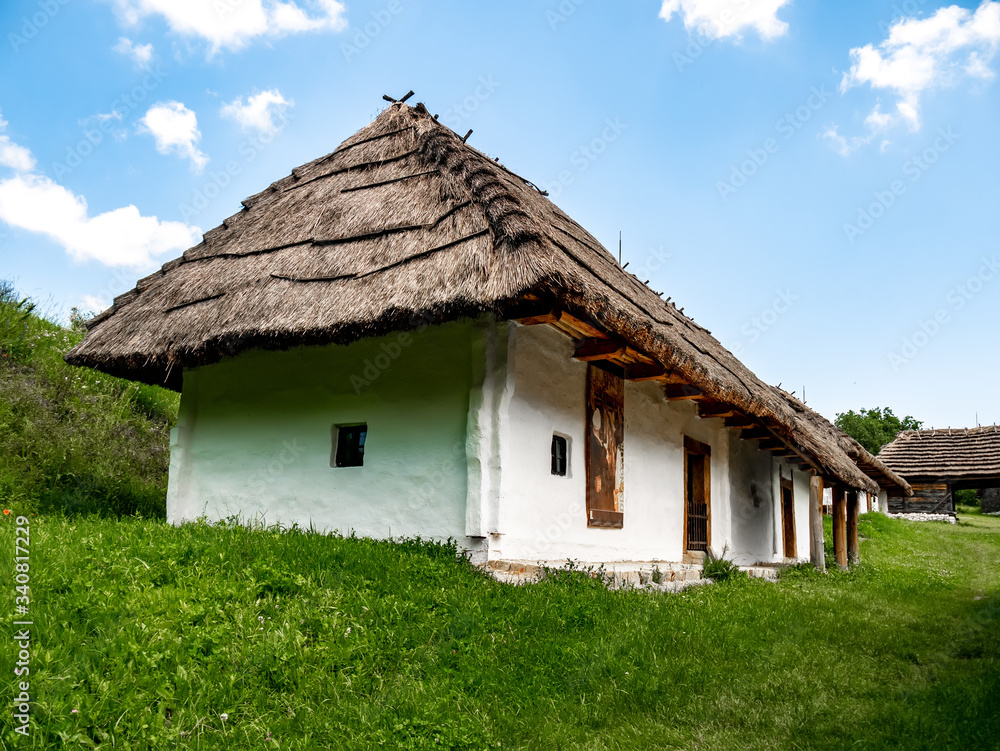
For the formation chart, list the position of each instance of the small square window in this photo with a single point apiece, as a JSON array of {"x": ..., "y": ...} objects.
[
  {"x": 350, "y": 448},
  {"x": 560, "y": 455}
]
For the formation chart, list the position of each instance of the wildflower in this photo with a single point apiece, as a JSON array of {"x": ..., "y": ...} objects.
[
  {"x": 224, "y": 716},
  {"x": 74, "y": 711},
  {"x": 348, "y": 632},
  {"x": 6, "y": 512}
]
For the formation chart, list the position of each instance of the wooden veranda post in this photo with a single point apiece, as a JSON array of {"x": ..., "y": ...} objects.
[
  {"x": 840, "y": 525},
  {"x": 817, "y": 544},
  {"x": 853, "y": 551}
]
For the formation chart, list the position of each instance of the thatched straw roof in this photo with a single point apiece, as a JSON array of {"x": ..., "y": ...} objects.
[
  {"x": 406, "y": 222},
  {"x": 959, "y": 454},
  {"x": 871, "y": 465}
]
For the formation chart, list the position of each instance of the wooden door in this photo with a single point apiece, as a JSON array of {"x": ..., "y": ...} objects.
[
  {"x": 605, "y": 439},
  {"x": 788, "y": 518},
  {"x": 697, "y": 496}
]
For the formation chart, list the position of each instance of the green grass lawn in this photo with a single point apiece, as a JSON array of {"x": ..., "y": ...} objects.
[{"x": 213, "y": 637}]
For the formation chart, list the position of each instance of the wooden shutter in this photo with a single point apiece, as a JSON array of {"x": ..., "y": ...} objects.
[{"x": 605, "y": 438}]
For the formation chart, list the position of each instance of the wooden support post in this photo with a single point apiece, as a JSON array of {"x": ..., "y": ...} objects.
[
  {"x": 853, "y": 551},
  {"x": 816, "y": 543},
  {"x": 840, "y": 525}
]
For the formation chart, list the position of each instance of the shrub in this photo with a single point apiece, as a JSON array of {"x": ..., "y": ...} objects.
[{"x": 719, "y": 568}]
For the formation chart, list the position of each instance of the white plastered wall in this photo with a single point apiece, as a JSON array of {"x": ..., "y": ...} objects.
[
  {"x": 460, "y": 422},
  {"x": 254, "y": 436},
  {"x": 543, "y": 517}
]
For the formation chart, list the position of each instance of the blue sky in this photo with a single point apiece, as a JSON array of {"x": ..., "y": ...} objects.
[{"x": 813, "y": 182}]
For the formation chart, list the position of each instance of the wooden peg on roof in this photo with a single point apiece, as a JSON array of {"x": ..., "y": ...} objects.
[
  {"x": 400, "y": 101},
  {"x": 466, "y": 137}
]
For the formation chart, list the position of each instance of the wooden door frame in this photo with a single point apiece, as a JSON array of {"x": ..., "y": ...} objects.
[
  {"x": 691, "y": 446},
  {"x": 789, "y": 485}
]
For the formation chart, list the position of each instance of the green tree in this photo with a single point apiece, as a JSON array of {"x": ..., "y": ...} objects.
[{"x": 874, "y": 428}]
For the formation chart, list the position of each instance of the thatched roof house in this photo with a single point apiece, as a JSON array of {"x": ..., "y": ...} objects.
[
  {"x": 406, "y": 225},
  {"x": 938, "y": 462}
]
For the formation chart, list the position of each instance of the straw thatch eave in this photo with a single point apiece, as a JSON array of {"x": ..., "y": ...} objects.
[
  {"x": 946, "y": 455},
  {"x": 402, "y": 225}
]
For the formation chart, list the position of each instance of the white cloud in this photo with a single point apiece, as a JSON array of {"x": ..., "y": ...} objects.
[
  {"x": 92, "y": 304},
  {"x": 122, "y": 237},
  {"x": 140, "y": 53},
  {"x": 233, "y": 24},
  {"x": 11, "y": 154},
  {"x": 175, "y": 129},
  {"x": 263, "y": 112},
  {"x": 920, "y": 55},
  {"x": 717, "y": 19},
  {"x": 843, "y": 145}
]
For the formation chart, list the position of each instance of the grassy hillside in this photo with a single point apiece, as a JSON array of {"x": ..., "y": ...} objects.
[
  {"x": 200, "y": 637},
  {"x": 73, "y": 439}
]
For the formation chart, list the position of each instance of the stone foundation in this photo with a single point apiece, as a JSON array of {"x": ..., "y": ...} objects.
[{"x": 666, "y": 577}]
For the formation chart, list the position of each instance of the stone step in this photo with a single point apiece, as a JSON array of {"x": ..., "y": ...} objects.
[{"x": 619, "y": 574}]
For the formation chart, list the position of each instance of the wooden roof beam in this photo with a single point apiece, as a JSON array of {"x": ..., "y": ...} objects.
[
  {"x": 588, "y": 350},
  {"x": 772, "y": 445},
  {"x": 645, "y": 372},
  {"x": 755, "y": 434},
  {"x": 712, "y": 410},
  {"x": 676, "y": 392},
  {"x": 551, "y": 316}
]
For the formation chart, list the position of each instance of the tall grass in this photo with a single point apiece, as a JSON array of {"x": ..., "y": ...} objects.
[
  {"x": 72, "y": 439},
  {"x": 303, "y": 641}
]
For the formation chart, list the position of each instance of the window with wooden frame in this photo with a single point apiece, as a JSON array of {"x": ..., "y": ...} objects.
[
  {"x": 604, "y": 449},
  {"x": 560, "y": 455},
  {"x": 788, "y": 518},
  {"x": 349, "y": 445},
  {"x": 697, "y": 499}
]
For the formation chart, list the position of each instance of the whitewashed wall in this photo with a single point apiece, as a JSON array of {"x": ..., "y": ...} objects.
[
  {"x": 254, "y": 436},
  {"x": 756, "y": 514},
  {"x": 543, "y": 517},
  {"x": 801, "y": 481},
  {"x": 460, "y": 424}
]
